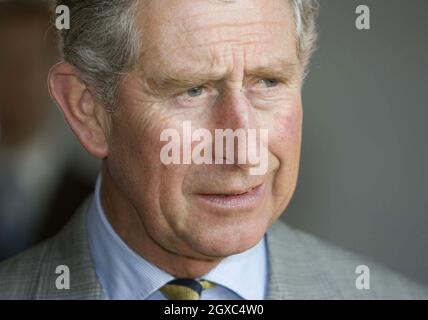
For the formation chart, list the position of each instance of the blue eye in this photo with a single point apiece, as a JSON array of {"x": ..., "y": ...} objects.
[
  {"x": 269, "y": 82},
  {"x": 195, "y": 92}
]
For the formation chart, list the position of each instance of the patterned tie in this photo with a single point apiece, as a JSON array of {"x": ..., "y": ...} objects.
[{"x": 185, "y": 289}]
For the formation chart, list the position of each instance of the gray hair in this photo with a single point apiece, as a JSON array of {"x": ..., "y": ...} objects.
[{"x": 103, "y": 43}]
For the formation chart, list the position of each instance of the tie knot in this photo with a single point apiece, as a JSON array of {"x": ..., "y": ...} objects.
[{"x": 185, "y": 289}]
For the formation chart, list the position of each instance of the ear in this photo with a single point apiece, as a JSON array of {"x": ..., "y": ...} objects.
[{"x": 85, "y": 116}]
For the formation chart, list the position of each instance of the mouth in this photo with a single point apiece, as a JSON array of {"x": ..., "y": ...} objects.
[{"x": 234, "y": 199}]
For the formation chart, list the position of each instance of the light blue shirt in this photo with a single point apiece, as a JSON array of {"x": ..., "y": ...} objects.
[{"x": 123, "y": 274}]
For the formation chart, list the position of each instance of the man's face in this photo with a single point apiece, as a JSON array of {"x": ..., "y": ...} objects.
[{"x": 221, "y": 66}]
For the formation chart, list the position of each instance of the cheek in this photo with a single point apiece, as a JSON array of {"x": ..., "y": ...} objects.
[
  {"x": 139, "y": 143},
  {"x": 286, "y": 131},
  {"x": 284, "y": 145},
  {"x": 133, "y": 156}
]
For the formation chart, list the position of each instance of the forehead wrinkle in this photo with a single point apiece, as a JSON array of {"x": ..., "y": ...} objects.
[
  {"x": 194, "y": 16},
  {"x": 244, "y": 32},
  {"x": 214, "y": 56},
  {"x": 214, "y": 43},
  {"x": 233, "y": 25},
  {"x": 156, "y": 47},
  {"x": 231, "y": 12}
]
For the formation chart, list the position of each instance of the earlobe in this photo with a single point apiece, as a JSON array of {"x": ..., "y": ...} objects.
[{"x": 78, "y": 106}]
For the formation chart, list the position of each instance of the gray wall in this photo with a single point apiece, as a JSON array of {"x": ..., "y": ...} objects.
[{"x": 363, "y": 179}]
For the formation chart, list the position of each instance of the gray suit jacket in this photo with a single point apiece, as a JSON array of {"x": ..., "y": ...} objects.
[{"x": 301, "y": 267}]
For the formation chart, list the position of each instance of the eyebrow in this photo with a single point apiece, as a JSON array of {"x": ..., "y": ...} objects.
[
  {"x": 280, "y": 70},
  {"x": 173, "y": 80}
]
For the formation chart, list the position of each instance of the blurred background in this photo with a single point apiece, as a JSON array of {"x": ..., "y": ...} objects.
[
  {"x": 363, "y": 178},
  {"x": 44, "y": 174}
]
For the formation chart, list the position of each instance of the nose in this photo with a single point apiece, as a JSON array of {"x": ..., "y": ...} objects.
[
  {"x": 237, "y": 119},
  {"x": 233, "y": 111}
]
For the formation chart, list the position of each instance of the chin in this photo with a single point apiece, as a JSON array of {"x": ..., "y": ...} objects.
[{"x": 226, "y": 240}]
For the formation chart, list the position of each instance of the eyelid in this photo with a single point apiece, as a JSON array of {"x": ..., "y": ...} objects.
[
  {"x": 209, "y": 87},
  {"x": 268, "y": 79},
  {"x": 184, "y": 100},
  {"x": 257, "y": 78},
  {"x": 205, "y": 87},
  {"x": 279, "y": 82}
]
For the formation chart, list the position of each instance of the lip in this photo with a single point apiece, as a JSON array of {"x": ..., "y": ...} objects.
[{"x": 235, "y": 200}]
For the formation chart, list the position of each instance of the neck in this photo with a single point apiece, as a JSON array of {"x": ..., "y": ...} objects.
[{"x": 126, "y": 222}]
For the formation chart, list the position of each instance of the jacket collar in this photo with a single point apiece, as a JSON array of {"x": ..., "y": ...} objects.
[{"x": 70, "y": 248}]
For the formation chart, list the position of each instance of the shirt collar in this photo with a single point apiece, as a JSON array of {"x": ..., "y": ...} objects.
[{"x": 123, "y": 274}]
